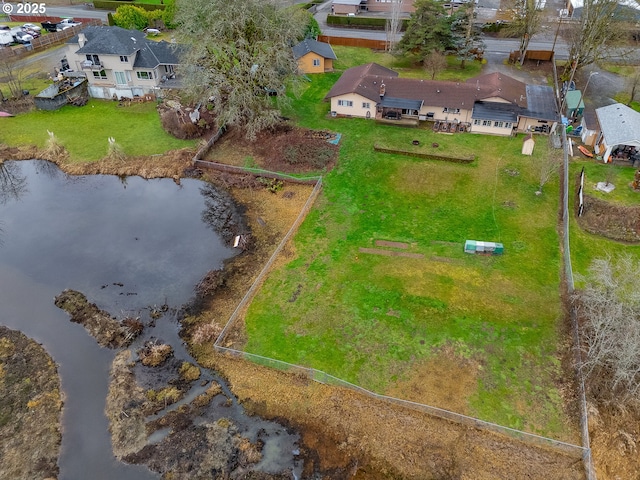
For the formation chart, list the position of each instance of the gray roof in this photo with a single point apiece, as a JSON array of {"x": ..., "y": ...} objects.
[
  {"x": 103, "y": 40},
  {"x": 541, "y": 103},
  {"x": 310, "y": 45},
  {"x": 620, "y": 124},
  {"x": 392, "y": 102},
  {"x": 504, "y": 112}
]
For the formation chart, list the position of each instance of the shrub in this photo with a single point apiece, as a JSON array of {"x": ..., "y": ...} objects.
[
  {"x": 131, "y": 17},
  {"x": 206, "y": 333}
]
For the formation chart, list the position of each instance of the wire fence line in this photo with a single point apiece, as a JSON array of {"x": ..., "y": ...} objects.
[
  {"x": 327, "y": 379},
  {"x": 319, "y": 376},
  {"x": 267, "y": 267},
  {"x": 575, "y": 328}
]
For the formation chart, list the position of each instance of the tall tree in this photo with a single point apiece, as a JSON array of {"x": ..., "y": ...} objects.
[
  {"x": 633, "y": 81},
  {"x": 428, "y": 29},
  {"x": 467, "y": 39},
  {"x": 240, "y": 57},
  {"x": 595, "y": 37},
  {"x": 526, "y": 23},
  {"x": 394, "y": 24}
]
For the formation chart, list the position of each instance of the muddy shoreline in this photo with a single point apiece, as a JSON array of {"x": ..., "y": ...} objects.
[
  {"x": 30, "y": 409},
  {"x": 343, "y": 434}
]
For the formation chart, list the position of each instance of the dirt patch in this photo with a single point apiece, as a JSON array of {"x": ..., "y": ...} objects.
[
  {"x": 617, "y": 222},
  {"x": 29, "y": 410},
  {"x": 284, "y": 149},
  {"x": 107, "y": 331},
  {"x": 615, "y": 440},
  {"x": 431, "y": 383}
]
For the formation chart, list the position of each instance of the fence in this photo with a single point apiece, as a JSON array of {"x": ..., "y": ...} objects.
[
  {"x": 45, "y": 41},
  {"x": 325, "y": 378},
  {"x": 354, "y": 42}
]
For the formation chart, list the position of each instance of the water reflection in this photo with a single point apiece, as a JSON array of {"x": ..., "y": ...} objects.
[
  {"x": 12, "y": 184},
  {"x": 124, "y": 248}
]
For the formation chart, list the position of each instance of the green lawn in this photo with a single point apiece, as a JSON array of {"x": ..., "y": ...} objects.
[
  {"x": 84, "y": 130},
  {"x": 371, "y": 319},
  {"x": 585, "y": 247},
  {"x": 352, "y": 56}
]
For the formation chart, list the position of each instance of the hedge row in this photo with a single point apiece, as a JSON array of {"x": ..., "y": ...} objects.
[
  {"x": 374, "y": 23},
  {"x": 113, "y": 5},
  {"x": 426, "y": 156}
]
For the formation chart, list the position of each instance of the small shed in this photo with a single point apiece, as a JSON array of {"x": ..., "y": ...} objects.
[
  {"x": 476, "y": 246},
  {"x": 528, "y": 144},
  {"x": 575, "y": 104}
]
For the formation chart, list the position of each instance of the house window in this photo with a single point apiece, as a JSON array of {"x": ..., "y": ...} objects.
[
  {"x": 451, "y": 110},
  {"x": 124, "y": 58},
  {"x": 366, "y": 105},
  {"x": 486, "y": 123},
  {"x": 508, "y": 124},
  {"x": 345, "y": 103},
  {"x": 101, "y": 75},
  {"x": 316, "y": 62},
  {"x": 498, "y": 124},
  {"x": 121, "y": 79},
  {"x": 94, "y": 59},
  {"x": 145, "y": 75},
  {"x": 476, "y": 122}
]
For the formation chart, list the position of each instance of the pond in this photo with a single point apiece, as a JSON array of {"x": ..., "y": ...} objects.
[{"x": 129, "y": 245}]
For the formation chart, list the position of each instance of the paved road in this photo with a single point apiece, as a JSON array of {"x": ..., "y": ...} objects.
[{"x": 79, "y": 11}]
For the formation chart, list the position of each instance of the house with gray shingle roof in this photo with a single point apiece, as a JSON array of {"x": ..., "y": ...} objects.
[
  {"x": 492, "y": 104},
  {"x": 314, "y": 56},
  {"x": 122, "y": 63},
  {"x": 619, "y": 133}
]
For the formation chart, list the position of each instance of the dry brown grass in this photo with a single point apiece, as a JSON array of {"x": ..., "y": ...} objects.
[{"x": 154, "y": 355}]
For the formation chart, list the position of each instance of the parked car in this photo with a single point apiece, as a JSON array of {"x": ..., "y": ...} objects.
[
  {"x": 66, "y": 23},
  {"x": 5, "y": 38},
  {"x": 4, "y": 28},
  {"x": 32, "y": 26},
  {"x": 49, "y": 27},
  {"x": 33, "y": 33},
  {"x": 23, "y": 37}
]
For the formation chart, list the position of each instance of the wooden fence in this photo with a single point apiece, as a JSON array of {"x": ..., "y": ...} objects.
[
  {"x": 354, "y": 42},
  {"x": 45, "y": 41}
]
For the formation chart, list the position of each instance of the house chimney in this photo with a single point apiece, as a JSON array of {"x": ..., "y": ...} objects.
[
  {"x": 81, "y": 39},
  {"x": 383, "y": 88}
]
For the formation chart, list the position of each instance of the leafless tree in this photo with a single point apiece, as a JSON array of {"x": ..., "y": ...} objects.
[
  {"x": 434, "y": 63},
  {"x": 633, "y": 81},
  {"x": 548, "y": 166},
  {"x": 526, "y": 23},
  {"x": 596, "y": 36},
  {"x": 393, "y": 25},
  {"x": 609, "y": 307},
  {"x": 12, "y": 74}
]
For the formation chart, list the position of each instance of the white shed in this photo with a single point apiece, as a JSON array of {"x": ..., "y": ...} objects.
[{"x": 528, "y": 144}]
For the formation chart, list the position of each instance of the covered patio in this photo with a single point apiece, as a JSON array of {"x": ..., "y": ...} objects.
[{"x": 619, "y": 138}]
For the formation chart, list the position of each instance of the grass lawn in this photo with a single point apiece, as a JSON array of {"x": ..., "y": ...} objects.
[
  {"x": 84, "y": 130},
  {"x": 586, "y": 247},
  {"x": 352, "y": 56},
  {"x": 376, "y": 320}
]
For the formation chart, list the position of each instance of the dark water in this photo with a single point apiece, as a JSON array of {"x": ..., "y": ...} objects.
[{"x": 127, "y": 244}]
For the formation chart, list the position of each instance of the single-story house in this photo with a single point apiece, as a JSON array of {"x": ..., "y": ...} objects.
[
  {"x": 345, "y": 7},
  {"x": 619, "y": 137},
  {"x": 314, "y": 56},
  {"x": 491, "y": 104},
  {"x": 122, "y": 63}
]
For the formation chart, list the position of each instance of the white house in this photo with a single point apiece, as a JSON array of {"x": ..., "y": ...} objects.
[{"x": 122, "y": 63}]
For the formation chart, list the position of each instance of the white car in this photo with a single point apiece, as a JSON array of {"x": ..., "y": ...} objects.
[{"x": 32, "y": 26}]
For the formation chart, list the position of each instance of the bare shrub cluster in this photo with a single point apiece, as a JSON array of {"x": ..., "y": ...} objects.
[
  {"x": 609, "y": 308},
  {"x": 206, "y": 333}
]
